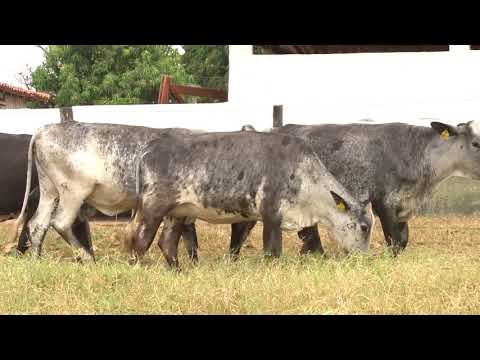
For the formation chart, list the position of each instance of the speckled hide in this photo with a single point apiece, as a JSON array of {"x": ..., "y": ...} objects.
[
  {"x": 100, "y": 157},
  {"x": 395, "y": 166},
  {"x": 246, "y": 176},
  {"x": 80, "y": 165}
]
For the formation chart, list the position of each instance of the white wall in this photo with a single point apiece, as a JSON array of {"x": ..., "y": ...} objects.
[
  {"x": 26, "y": 121},
  {"x": 208, "y": 117},
  {"x": 342, "y": 88},
  {"x": 333, "y": 88}
]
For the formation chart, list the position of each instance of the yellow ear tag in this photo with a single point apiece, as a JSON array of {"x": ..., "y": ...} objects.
[
  {"x": 341, "y": 207},
  {"x": 445, "y": 135}
]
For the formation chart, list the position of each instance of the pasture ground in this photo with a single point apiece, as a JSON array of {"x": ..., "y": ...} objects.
[{"x": 439, "y": 273}]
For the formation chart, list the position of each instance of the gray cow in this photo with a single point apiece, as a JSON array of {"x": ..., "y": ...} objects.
[
  {"x": 244, "y": 176},
  {"x": 396, "y": 167},
  {"x": 81, "y": 166}
]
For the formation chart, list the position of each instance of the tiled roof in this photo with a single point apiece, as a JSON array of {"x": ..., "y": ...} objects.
[{"x": 30, "y": 94}]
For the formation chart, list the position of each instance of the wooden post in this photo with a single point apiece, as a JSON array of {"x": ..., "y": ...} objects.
[
  {"x": 66, "y": 114},
  {"x": 199, "y": 91},
  {"x": 176, "y": 95},
  {"x": 164, "y": 94},
  {"x": 277, "y": 116}
]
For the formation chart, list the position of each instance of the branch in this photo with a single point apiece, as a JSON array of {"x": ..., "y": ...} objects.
[{"x": 43, "y": 49}]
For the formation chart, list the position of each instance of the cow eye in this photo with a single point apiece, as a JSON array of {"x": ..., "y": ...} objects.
[{"x": 476, "y": 145}]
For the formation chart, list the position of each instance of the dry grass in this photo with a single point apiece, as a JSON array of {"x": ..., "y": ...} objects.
[{"x": 439, "y": 273}]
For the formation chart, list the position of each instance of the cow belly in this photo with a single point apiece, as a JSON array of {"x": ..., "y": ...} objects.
[
  {"x": 295, "y": 219},
  {"x": 111, "y": 201},
  {"x": 211, "y": 215}
]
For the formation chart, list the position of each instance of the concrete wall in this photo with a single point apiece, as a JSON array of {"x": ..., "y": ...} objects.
[
  {"x": 343, "y": 88},
  {"x": 207, "y": 117},
  {"x": 26, "y": 121}
]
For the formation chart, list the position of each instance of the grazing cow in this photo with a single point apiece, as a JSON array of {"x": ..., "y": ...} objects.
[
  {"x": 242, "y": 176},
  {"x": 396, "y": 167},
  {"x": 84, "y": 166}
]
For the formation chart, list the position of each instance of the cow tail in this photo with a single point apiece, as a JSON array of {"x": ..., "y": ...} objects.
[{"x": 13, "y": 233}]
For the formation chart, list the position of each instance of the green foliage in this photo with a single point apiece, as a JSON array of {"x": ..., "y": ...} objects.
[
  {"x": 208, "y": 65},
  {"x": 107, "y": 74}
]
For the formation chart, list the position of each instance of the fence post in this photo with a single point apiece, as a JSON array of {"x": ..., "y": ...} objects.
[
  {"x": 277, "y": 116},
  {"x": 164, "y": 93},
  {"x": 66, "y": 114}
]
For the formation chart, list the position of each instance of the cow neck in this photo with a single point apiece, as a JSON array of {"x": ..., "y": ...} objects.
[{"x": 442, "y": 164}]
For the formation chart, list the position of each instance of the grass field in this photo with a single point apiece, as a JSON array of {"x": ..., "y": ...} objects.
[{"x": 439, "y": 273}]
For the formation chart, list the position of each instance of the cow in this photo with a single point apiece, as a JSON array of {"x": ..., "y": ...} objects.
[
  {"x": 236, "y": 177},
  {"x": 14, "y": 158},
  {"x": 83, "y": 166},
  {"x": 394, "y": 166}
]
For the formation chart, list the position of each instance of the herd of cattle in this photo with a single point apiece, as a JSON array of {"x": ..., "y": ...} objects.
[{"x": 290, "y": 178}]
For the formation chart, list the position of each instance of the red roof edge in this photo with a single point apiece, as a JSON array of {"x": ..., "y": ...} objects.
[{"x": 29, "y": 94}]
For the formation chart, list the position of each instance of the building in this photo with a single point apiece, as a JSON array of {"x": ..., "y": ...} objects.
[{"x": 13, "y": 97}]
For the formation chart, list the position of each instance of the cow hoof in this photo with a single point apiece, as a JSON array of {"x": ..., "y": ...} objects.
[
  {"x": 234, "y": 257},
  {"x": 175, "y": 269},
  {"x": 133, "y": 260},
  {"x": 394, "y": 250},
  {"x": 81, "y": 256},
  {"x": 19, "y": 253}
]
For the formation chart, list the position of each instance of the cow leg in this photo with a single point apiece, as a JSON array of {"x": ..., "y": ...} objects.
[
  {"x": 39, "y": 224},
  {"x": 63, "y": 222},
  {"x": 144, "y": 234},
  {"x": 81, "y": 232},
  {"x": 80, "y": 228},
  {"x": 395, "y": 232},
  {"x": 404, "y": 234},
  {"x": 398, "y": 235},
  {"x": 272, "y": 238},
  {"x": 168, "y": 243},
  {"x": 189, "y": 235},
  {"x": 311, "y": 240},
  {"x": 240, "y": 232}
]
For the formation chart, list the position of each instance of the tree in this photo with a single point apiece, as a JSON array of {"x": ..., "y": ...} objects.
[
  {"x": 208, "y": 65},
  {"x": 107, "y": 74}
]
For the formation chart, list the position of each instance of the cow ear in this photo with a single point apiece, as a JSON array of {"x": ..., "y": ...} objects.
[
  {"x": 444, "y": 130},
  {"x": 342, "y": 205},
  {"x": 248, "y": 128}
]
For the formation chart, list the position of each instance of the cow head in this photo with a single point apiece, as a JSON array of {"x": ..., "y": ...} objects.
[
  {"x": 464, "y": 151},
  {"x": 352, "y": 223}
]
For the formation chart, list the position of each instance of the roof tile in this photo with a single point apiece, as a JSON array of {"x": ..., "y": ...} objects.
[{"x": 30, "y": 94}]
